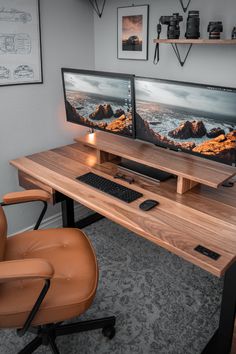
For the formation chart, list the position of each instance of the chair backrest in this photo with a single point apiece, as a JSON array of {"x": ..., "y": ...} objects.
[{"x": 3, "y": 233}]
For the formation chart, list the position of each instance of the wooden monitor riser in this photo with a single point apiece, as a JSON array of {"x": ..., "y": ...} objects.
[{"x": 189, "y": 169}]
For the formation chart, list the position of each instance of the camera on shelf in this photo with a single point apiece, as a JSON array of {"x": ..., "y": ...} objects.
[
  {"x": 215, "y": 29},
  {"x": 234, "y": 33},
  {"x": 173, "y": 30},
  {"x": 193, "y": 25}
]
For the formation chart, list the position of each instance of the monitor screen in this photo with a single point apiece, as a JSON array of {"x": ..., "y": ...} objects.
[
  {"x": 100, "y": 100},
  {"x": 189, "y": 117}
]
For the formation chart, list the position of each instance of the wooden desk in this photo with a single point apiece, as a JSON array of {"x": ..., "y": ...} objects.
[{"x": 203, "y": 216}]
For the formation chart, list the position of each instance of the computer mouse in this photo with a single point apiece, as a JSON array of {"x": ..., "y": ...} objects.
[{"x": 148, "y": 204}]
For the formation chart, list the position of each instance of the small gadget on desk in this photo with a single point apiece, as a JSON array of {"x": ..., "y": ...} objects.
[
  {"x": 228, "y": 184},
  {"x": 125, "y": 178},
  {"x": 148, "y": 204}
]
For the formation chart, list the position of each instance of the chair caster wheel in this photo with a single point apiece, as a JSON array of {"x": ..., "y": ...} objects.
[{"x": 109, "y": 332}]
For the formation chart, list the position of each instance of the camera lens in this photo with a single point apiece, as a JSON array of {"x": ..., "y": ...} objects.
[
  {"x": 193, "y": 25},
  {"x": 173, "y": 32},
  {"x": 215, "y": 29}
]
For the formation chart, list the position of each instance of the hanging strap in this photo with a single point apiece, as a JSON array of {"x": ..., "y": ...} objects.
[{"x": 157, "y": 49}]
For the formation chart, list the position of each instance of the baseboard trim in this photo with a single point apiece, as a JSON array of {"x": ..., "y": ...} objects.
[{"x": 55, "y": 220}]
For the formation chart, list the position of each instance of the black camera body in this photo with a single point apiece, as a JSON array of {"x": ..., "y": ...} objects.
[
  {"x": 215, "y": 29},
  {"x": 173, "y": 30},
  {"x": 193, "y": 25},
  {"x": 234, "y": 33}
]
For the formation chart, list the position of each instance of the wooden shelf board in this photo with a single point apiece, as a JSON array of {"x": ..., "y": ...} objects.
[
  {"x": 197, "y": 41},
  {"x": 184, "y": 165}
]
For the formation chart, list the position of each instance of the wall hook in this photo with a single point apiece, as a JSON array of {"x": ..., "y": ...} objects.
[{"x": 95, "y": 6}]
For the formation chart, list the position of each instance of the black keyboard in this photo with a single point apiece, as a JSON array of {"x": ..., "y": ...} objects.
[{"x": 105, "y": 185}]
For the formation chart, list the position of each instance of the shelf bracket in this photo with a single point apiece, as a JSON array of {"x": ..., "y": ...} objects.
[
  {"x": 185, "y": 8},
  {"x": 95, "y": 6},
  {"x": 177, "y": 53}
]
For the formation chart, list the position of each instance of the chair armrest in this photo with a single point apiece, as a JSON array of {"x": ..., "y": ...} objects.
[
  {"x": 33, "y": 268},
  {"x": 26, "y": 196}
]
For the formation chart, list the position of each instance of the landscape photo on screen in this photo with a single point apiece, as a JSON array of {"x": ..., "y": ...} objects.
[
  {"x": 132, "y": 31},
  {"x": 199, "y": 119},
  {"x": 99, "y": 102}
]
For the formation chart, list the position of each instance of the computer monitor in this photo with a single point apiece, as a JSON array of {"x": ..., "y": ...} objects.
[
  {"x": 194, "y": 118},
  {"x": 100, "y": 100}
]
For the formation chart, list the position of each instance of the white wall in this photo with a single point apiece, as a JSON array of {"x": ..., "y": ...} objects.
[
  {"x": 32, "y": 116},
  {"x": 210, "y": 64}
]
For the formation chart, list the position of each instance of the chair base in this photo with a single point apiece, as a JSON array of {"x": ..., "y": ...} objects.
[{"x": 46, "y": 335}]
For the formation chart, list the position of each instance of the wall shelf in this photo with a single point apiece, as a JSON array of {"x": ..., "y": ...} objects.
[
  {"x": 197, "y": 41},
  {"x": 175, "y": 42}
]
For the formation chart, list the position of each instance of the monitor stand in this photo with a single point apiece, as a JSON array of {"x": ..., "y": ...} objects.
[
  {"x": 189, "y": 171},
  {"x": 144, "y": 170}
]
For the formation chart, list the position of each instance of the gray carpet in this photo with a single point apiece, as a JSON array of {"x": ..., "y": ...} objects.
[{"x": 163, "y": 304}]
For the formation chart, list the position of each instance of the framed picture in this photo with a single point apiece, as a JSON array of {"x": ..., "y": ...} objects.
[
  {"x": 20, "y": 42},
  {"x": 133, "y": 32}
]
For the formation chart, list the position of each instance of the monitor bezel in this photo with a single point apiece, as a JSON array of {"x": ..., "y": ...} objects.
[
  {"x": 191, "y": 84},
  {"x": 109, "y": 75}
]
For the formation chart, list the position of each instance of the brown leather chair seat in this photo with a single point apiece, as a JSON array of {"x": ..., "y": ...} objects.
[
  {"x": 73, "y": 285},
  {"x": 46, "y": 277}
]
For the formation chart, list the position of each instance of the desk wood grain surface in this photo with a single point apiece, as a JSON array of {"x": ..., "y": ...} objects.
[{"x": 203, "y": 216}]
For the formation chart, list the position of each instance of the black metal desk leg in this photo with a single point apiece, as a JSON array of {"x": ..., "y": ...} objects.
[
  {"x": 221, "y": 342},
  {"x": 67, "y": 208}
]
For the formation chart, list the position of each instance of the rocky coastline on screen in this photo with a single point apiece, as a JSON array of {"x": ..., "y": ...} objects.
[
  {"x": 122, "y": 123},
  {"x": 187, "y": 130},
  {"x": 147, "y": 133},
  {"x": 221, "y": 145}
]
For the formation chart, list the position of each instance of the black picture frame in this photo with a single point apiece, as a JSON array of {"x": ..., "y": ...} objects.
[
  {"x": 131, "y": 48},
  {"x": 22, "y": 36}
]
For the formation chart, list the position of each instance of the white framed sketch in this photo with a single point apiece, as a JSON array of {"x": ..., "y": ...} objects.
[
  {"x": 20, "y": 42},
  {"x": 132, "y": 31}
]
